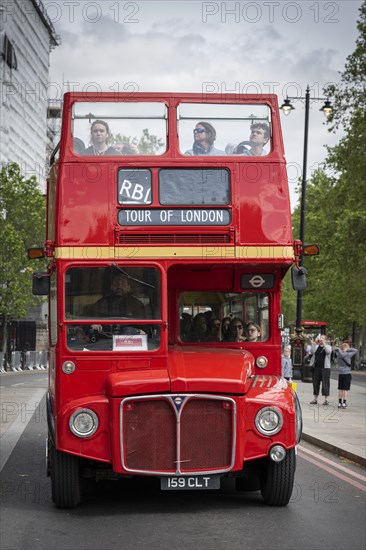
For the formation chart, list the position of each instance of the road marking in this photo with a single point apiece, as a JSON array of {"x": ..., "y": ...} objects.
[
  {"x": 333, "y": 464},
  {"x": 11, "y": 437},
  {"x": 333, "y": 472}
]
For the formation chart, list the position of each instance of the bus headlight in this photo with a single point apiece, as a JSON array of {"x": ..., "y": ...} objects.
[
  {"x": 268, "y": 420},
  {"x": 83, "y": 422}
]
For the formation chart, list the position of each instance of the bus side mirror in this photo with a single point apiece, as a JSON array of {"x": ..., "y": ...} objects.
[
  {"x": 298, "y": 275},
  {"x": 41, "y": 284}
]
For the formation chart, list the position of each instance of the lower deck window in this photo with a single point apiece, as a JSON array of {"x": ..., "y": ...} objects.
[{"x": 223, "y": 317}]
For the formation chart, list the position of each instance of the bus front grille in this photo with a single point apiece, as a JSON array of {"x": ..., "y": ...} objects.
[{"x": 177, "y": 434}]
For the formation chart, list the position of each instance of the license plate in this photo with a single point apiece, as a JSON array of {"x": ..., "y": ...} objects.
[{"x": 189, "y": 483}]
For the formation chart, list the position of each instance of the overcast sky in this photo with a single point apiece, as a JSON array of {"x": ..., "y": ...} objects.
[{"x": 248, "y": 47}]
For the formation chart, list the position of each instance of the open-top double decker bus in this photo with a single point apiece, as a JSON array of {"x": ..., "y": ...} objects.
[{"x": 153, "y": 249}]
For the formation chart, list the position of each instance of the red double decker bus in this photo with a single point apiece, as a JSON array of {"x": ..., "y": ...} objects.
[{"x": 168, "y": 236}]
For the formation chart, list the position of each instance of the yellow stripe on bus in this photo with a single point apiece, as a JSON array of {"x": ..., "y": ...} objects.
[{"x": 203, "y": 252}]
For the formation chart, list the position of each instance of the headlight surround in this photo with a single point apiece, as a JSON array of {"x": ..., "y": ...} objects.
[
  {"x": 68, "y": 367},
  {"x": 298, "y": 418},
  {"x": 83, "y": 422},
  {"x": 269, "y": 420},
  {"x": 261, "y": 362}
]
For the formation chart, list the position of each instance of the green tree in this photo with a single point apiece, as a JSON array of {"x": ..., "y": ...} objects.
[
  {"x": 22, "y": 225},
  {"x": 147, "y": 144},
  {"x": 335, "y": 290},
  {"x": 336, "y": 205},
  {"x": 288, "y": 299}
]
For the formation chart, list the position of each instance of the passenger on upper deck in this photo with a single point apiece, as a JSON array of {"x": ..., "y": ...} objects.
[
  {"x": 259, "y": 136},
  {"x": 79, "y": 146},
  {"x": 204, "y": 135},
  {"x": 126, "y": 148},
  {"x": 99, "y": 137}
]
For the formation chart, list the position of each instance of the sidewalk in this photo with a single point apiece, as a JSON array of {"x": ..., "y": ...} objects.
[{"x": 342, "y": 431}]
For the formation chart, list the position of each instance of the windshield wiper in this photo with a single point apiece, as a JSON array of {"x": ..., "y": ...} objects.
[{"x": 132, "y": 278}]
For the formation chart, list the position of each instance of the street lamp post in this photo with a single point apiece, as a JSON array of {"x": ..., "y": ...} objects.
[{"x": 327, "y": 109}]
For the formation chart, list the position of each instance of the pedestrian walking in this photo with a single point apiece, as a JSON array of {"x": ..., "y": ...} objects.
[
  {"x": 343, "y": 355},
  {"x": 287, "y": 363},
  {"x": 320, "y": 363}
]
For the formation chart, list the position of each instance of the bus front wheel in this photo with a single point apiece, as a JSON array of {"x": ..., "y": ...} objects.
[
  {"x": 278, "y": 479},
  {"x": 65, "y": 478}
]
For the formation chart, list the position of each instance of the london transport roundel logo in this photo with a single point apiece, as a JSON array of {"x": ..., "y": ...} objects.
[{"x": 257, "y": 281}]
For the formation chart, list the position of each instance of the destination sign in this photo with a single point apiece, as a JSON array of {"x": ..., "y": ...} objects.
[{"x": 176, "y": 216}]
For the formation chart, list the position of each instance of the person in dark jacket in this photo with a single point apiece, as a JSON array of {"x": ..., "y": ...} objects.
[
  {"x": 99, "y": 137},
  {"x": 320, "y": 362},
  {"x": 343, "y": 356},
  {"x": 119, "y": 303}
]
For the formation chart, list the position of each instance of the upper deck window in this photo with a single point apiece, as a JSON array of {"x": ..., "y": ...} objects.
[
  {"x": 221, "y": 130},
  {"x": 119, "y": 128}
]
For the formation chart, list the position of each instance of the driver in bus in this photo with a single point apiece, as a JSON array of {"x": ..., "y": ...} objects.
[
  {"x": 119, "y": 303},
  {"x": 259, "y": 137},
  {"x": 204, "y": 135}
]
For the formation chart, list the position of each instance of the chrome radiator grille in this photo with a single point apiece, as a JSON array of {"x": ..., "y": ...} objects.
[{"x": 177, "y": 434}]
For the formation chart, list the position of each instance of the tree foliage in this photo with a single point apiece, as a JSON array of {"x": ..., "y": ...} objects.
[
  {"x": 147, "y": 144},
  {"x": 335, "y": 289},
  {"x": 22, "y": 224},
  {"x": 336, "y": 206},
  {"x": 348, "y": 97}
]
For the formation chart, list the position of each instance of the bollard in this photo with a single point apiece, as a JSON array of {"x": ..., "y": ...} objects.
[
  {"x": 2, "y": 361},
  {"x": 16, "y": 361},
  {"x": 43, "y": 359}
]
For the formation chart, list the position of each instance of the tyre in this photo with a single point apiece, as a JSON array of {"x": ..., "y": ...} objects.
[
  {"x": 278, "y": 480},
  {"x": 65, "y": 478}
]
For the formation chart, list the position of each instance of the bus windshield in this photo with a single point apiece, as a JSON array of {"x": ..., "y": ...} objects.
[{"x": 126, "y": 296}]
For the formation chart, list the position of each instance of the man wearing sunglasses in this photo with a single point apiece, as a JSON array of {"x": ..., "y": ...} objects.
[
  {"x": 204, "y": 135},
  {"x": 235, "y": 331}
]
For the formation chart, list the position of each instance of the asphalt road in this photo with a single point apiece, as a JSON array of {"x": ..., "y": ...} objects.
[{"x": 327, "y": 510}]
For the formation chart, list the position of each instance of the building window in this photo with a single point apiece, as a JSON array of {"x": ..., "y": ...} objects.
[{"x": 9, "y": 53}]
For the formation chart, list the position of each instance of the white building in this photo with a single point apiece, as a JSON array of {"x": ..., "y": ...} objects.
[{"x": 26, "y": 38}]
